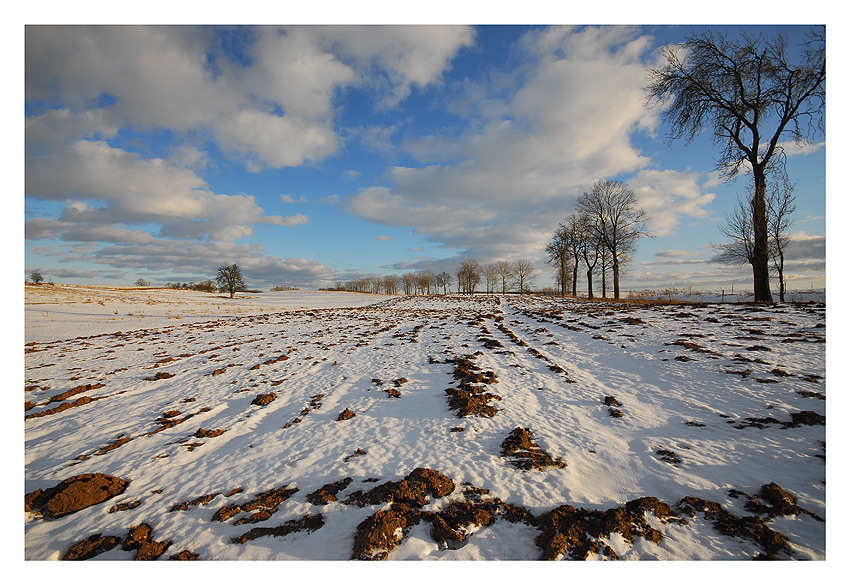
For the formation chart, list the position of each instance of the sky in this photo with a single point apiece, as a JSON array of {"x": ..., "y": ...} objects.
[{"x": 315, "y": 155}]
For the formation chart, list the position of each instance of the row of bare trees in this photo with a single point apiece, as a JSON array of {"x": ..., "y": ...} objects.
[
  {"x": 422, "y": 282},
  {"x": 599, "y": 237},
  {"x": 498, "y": 277}
]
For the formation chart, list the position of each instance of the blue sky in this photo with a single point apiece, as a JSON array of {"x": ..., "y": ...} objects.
[{"x": 314, "y": 155}]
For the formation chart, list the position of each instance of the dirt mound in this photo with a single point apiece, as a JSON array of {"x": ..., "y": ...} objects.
[
  {"x": 264, "y": 399},
  {"x": 449, "y": 525},
  {"x": 91, "y": 547},
  {"x": 751, "y": 528},
  {"x": 82, "y": 401},
  {"x": 378, "y": 534},
  {"x": 139, "y": 538},
  {"x": 263, "y": 506},
  {"x": 74, "y": 494},
  {"x": 327, "y": 493},
  {"x": 184, "y": 555},
  {"x": 523, "y": 453},
  {"x": 412, "y": 490},
  {"x": 345, "y": 415},
  {"x": 208, "y": 434},
  {"x": 578, "y": 532},
  {"x": 306, "y": 523}
]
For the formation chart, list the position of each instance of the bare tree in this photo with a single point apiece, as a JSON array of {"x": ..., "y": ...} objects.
[
  {"x": 491, "y": 275},
  {"x": 780, "y": 206},
  {"x": 752, "y": 96},
  {"x": 524, "y": 273},
  {"x": 611, "y": 212},
  {"x": 142, "y": 282},
  {"x": 425, "y": 280},
  {"x": 408, "y": 280},
  {"x": 505, "y": 273},
  {"x": 391, "y": 282},
  {"x": 560, "y": 254},
  {"x": 739, "y": 247},
  {"x": 36, "y": 277},
  {"x": 229, "y": 279},
  {"x": 444, "y": 279},
  {"x": 589, "y": 247},
  {"x": 469, "y": 275}
]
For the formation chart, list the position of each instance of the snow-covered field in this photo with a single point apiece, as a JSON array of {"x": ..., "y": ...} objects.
[{"x": 696, "y": 405}]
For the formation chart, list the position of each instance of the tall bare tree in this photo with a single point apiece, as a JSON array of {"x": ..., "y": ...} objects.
[
  {"x": 561, "y": 257},
  {"x": 469, "y": 275},
  {"x": 753, "y": 96},
  {"x": 739, "y": 247},
  {"x": 491, "y": 275},
  {"x": 780, "y": 205},
  {"x": 524, "y": 272},
  {"x": 505, "y": 271},
  {"x": 444, "y": 279},
  {"x": 612, "y": 214},
  {"x": 589, "y": 248}
]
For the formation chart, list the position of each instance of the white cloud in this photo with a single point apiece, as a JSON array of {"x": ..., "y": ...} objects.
[
  {"x": 520, "y": 164},
  {"x": 276, "y": 108},
  {"x": 128, "y": 189},
  {"x": 290, "y": 199},
  {"x": 667, "y": 196}
]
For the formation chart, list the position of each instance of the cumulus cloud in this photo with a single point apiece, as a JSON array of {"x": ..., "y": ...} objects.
[
  {"x": 667, "y": 196},
  {"x": 129, "y": 189},
  {"x": 563, "y": 120},
  {"x": 264, "y": 96}
]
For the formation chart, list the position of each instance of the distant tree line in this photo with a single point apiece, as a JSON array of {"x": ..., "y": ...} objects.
[
  {"x": 205, "y": 286},
  {"x": 469, "y": 277},
  {"x": 598, "y": 238}
]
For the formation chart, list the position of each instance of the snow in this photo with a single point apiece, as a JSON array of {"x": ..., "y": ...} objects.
[{"x": 338, "y": 343}]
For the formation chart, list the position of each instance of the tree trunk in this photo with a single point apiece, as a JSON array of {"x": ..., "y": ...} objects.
[
  {"x": 590, "y": 283},
  {"x": 761, "y": 273},
  {"x": 781, "y": 277},
  {"x": 616, "y": 271}
]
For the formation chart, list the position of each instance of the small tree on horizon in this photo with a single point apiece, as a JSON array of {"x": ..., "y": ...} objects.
[
  {"x": 229, "y": 279},
  {"x": 36, "y": 277}
]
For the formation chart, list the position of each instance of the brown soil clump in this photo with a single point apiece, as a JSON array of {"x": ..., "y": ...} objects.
[
  {"x": 64, "y": 406},
  {"x": 412, "y": 490},
  {"x": 327, "y": 493},
  {"x": 749, "y": 528},
  {"x": 75, "y": 390},
  {"x": 449, "y": 524},
  {"x": 208, "y": 434},
  {"x": 264, "y": 399},
  {"x": 124, "y": 506},
  {"x": 578, "y": 532},
  {"x": 345, "y": 415},
  {"x": 74, "y": 494},
  {"x": 307, "y": 523},
  {"x": 91, "y": 547},
  {"x": 376, "y": 535},
  {"x": 184, "y": 555},
  {"x": 263, "y": 506},
  {"x": 773, "y": 501},
  {"x": 668, "y": 456},
  {"x": 356, "y": 453},
  {"x": 114, "y": 445},
  {"x": 524, "y": 454}
]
